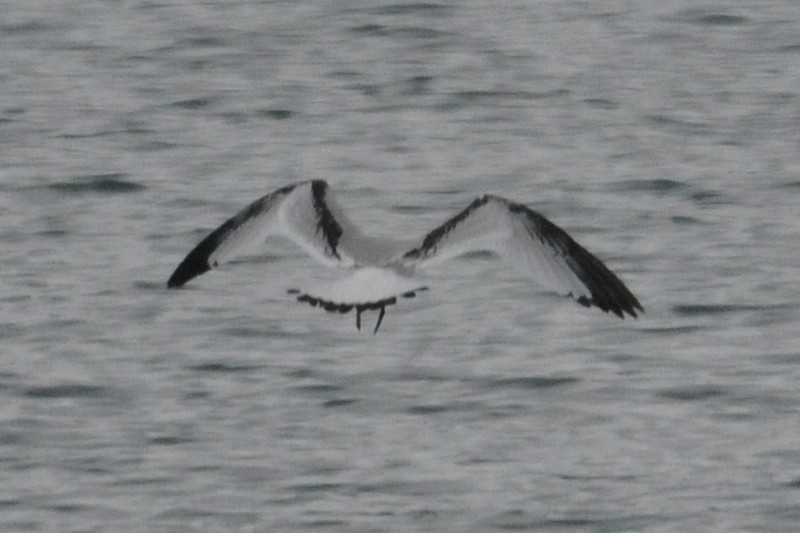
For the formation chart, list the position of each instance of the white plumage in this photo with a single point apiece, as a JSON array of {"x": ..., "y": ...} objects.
[{"x": 307, "y": 214}]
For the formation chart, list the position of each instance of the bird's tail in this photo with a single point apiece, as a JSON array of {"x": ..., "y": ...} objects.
[{"x": 368, "y": 289}]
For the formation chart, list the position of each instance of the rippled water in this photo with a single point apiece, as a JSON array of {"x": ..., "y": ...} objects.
[{"x": 663, "y": 136}]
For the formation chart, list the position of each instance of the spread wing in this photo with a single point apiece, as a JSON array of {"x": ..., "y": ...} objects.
[
  {"x": 302, "y": 212},
  {"x": 532, "y": 244}
]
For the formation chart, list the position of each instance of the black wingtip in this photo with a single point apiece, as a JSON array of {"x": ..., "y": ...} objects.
[
  {"x": 196, "y": 262},
  {"x": 621, "y": 302},
  {"x": 618, "y": 309},
  {"x": 190, "y": 268}
]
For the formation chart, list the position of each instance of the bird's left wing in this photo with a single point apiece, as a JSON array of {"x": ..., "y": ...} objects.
[{"x": 532, "y": 244}]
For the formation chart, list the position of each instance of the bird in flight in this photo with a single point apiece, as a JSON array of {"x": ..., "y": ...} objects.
[{"x": 383, "y": 269}]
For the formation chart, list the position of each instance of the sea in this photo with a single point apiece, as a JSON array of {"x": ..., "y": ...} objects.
[{"x": 663, "y": 136}]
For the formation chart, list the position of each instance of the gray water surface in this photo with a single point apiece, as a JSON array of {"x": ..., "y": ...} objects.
[{"x": 663, "y": 136}]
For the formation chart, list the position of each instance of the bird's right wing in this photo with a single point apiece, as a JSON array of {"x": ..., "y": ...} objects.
[{"x": 303, "y": 212}]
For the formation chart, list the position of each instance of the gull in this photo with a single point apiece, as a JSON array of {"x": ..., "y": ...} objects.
[{"x": 383, "y": 269}]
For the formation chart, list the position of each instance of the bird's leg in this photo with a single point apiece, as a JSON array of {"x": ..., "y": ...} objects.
[{"x": 380, "y": 319}]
